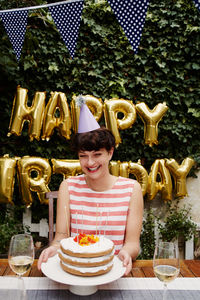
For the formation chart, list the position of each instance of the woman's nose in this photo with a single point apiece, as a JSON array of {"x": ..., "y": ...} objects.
[{"x": 91, "y": 161}]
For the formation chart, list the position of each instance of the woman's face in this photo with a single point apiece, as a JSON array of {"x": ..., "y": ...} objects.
[{"x": 95, "y": 163}]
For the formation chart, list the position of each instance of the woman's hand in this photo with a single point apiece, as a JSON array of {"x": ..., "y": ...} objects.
[
  {"x": 127, "y": 260},
  {"x": 46, "y": 253}
]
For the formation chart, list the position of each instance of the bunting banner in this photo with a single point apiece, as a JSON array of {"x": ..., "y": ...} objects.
[
  {"x": 197, "y": 4},
  {"x": 15, "y": 23},
  {"x": 67, "y": 19},
  {"x": 131, "y": 16}
]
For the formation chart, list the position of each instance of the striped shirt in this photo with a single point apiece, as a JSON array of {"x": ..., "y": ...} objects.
[{"x": 101, "y": 213}]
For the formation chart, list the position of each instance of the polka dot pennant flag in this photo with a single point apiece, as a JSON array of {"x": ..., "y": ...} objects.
[
  {"x": 15, "y": 23},
  {"x": 67, "y": 19},
  {"x": 131, "y": 15},
  {"x": 197, "y": 4}
]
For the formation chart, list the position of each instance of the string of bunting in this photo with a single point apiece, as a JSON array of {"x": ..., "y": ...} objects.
[
  {"x": 130, "y": 14},
  {"x": 66, "y": 16},
  {"x": 197, "y": 4},
  {"x": 67, "y": 19}
]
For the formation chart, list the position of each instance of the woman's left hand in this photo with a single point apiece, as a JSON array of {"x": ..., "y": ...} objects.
[{"x": 127, "y": 260}]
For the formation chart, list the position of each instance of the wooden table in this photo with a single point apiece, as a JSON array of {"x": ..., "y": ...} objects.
[
  {"x": 144, "y": 268},
  {"x": 141, "y": 268},
  {"x": 140, "y": 284}
]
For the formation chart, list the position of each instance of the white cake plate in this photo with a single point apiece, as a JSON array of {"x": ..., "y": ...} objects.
[{"x": 79, "y": 285}]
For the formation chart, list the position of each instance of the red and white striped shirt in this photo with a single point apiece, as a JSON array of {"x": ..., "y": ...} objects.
[{"x": 101, "y": 213}]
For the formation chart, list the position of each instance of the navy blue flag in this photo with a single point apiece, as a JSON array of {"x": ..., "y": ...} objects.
[
  {"x": 197, "y": 4},
  {"x": 67, "y": 18},
  {"x": 15, "y": 25},
  {"x": 131, "y": 15}
]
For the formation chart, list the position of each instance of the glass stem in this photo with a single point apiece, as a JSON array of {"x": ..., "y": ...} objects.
[
  {"x": 165, "y": 292},
  {"x": 22, "y": 287}
]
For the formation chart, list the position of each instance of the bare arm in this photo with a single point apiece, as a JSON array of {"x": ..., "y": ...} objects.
[
  {"x": 62, "y": 223},
  {"x": 131, "y": 246},
  {"x": 62, "y": 213}
]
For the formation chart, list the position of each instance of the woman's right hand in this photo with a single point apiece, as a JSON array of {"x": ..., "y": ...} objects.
[{"x": 46, "y": 253}]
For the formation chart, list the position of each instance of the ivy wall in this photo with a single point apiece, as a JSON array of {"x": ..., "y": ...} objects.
[{"x": 166, "y": 69}]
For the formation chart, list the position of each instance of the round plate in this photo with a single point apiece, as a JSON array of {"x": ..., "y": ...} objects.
[{"x": 53, "y": 270}]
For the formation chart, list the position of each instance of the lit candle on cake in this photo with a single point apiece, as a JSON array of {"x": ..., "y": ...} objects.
[
  {"x": 100, "y": 223},
  {"x": 107, "y": 219},
  {"x": 82, "y": 220},
  {"x": 96, "y": 217},
  {"x": 76, "y": 222},
  {"x": 68, "y": 231}
]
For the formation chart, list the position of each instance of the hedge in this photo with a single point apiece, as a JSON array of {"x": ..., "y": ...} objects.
[{"x": 165, "y": 69}]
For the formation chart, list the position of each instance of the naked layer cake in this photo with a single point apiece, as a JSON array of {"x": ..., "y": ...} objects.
[{"x": 86, "y": 255}]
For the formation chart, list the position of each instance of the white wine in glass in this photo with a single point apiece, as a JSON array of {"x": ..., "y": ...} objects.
[
  {"x": 21, "y": 256},
  {"x": 166, "y": 263}
]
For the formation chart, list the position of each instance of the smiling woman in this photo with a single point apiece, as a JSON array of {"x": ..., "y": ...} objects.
[
  {"x": 95, "y": 150},
  {"x": 96, "y": 202}
]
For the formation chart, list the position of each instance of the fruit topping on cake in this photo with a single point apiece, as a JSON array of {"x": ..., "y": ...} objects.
[{"x": 85, "y": 239}]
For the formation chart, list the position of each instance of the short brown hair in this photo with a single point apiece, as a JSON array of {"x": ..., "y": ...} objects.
[{"x": 93, "y": 140}]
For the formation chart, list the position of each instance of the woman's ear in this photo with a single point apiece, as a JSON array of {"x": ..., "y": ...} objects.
[{"x": 111, "y": 152}]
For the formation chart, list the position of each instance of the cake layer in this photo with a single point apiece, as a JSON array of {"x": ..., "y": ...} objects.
[
  {"x": 86, "y": 261},
  {"x": 84, "y": 271},
  {"x": 103, "y": 247}
]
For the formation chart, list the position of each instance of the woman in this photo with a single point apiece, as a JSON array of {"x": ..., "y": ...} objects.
[{"x": 98, "y": 202}]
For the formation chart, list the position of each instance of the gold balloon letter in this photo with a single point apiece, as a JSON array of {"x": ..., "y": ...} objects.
[
  {"x": 33, "y": 114},
  {"x": 7, "y": 178},
  {"x": 179, "y": 173},
  {"x": 67, "y": 167},
  {"x": 114, "y": 167},
  {"x": 141, "y": 175},
  {"x": 93, "y": 103},
  {"x": 112, "y": 108},
  {"x": 164, "y": 184},
  {"x": 34, "y": 175},
  {"x": 151, "y": 118},
  {"x": 124, "y": 169},
  {"x": 57, "y": 104},
  {"x": 138, "y": 171}
]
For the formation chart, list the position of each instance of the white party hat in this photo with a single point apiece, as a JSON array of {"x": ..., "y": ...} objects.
[{"x": 87, "y": 121}]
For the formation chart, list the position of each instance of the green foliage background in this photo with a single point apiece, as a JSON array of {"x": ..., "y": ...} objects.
[{"x": 166, "y": 68}]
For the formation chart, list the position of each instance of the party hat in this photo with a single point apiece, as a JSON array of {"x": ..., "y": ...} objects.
[{"x": 87, "y": 122}]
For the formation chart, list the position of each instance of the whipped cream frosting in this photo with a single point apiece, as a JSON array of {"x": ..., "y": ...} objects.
[
  {"x": 88, "y": 269},
  {"x": 102, "y": 245},
  {"x": 86, "y": 259}
]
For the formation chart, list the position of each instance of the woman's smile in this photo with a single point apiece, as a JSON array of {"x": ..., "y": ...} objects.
[{"x": 94, "y": 169}]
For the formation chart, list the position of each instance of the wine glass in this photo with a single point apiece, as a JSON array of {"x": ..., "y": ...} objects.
[
  {"x": 21, "y": 256},
  {"x": 166, "y": 263}
]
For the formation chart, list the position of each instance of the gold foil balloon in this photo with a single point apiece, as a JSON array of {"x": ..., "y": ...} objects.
[
  {"x": 112, "y": 108},
  {"x": 34, "y": 174},
  {"x": 57, "y": 105},
  {"x": 179, "y": 173},
  {"x": 114, "y": 167},
  {"x": 94, "y": 104},
  {"x": 21, "y": 112},
  {"x": 159, "y": 181},
  {"x": 151, "y": 118},
  {"x": 127, "y": 168},
  {"x": 124, "y": 169},
  {"x": 67, "y": 167},
  {"x": 141, "y": 175},
  {"x": 7, "y": 178}
]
